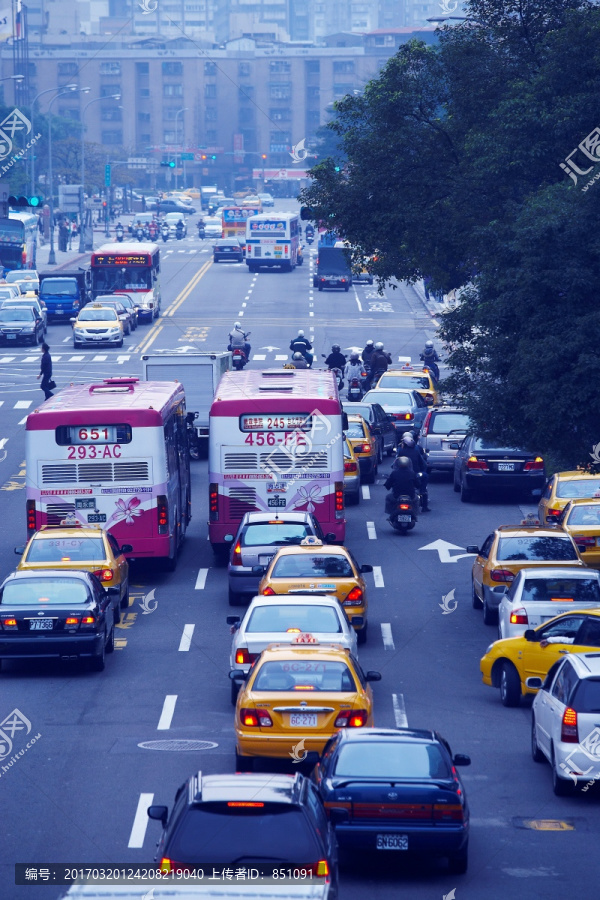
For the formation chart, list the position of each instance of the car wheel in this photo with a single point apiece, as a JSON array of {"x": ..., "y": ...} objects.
[
  {"x": 490, "y": 616},
  {"x": 234, "y": 693},
  {"x": 354, "y": 499},
  {"x": 125, "y": 599},
  {"x": 458, "y": 863},
  {"x": 536, "y": 753},
  {"x": 561, "y": 786},
  {"x": 110, "y": 647},
  {"x": 98, "y": 662},
  {"x": 370, "y": 477},
  {"x": 235, "y": 599},
  {"x": 475, "y": 601},
  {"x": 456, "y": 483},
  {"x": 243, "y": 763},
  {"x": 391, "y": 449},
  {"x": 465, "y": 494},
  {"x": 120, "y": 344},
  {"x": 320, "y": 287},
  {"x": 510, "y": 685},
  {"x": 361, "y": 636}
]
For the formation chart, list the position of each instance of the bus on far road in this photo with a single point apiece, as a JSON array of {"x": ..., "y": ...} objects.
[
  {"x": 18, "y": 241},
  {"x": 272, "y": 240},
  {"x": 130, "y": 268},
  {"x": 235, "y": 219},
  {"x": 115, "y": 454},
  {"x": 275, "y": 444}
]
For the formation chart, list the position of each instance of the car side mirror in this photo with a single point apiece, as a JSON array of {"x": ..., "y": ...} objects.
[
  {"x": 581, "y": 548},
  {"x": 461, "y": 759},
  {"x": 160, "y": 813},
  {"x": 366, "y": 568},
  {"x": 237, "y": 676},
  {"x": 19, "y": 551},
  {"x": 534, "y": 683},
  {"x": 330, "y": 538},
  {"x": 126, "y": 548},
  {"x": 344, "y": 421},
  {"x": 454, "y": 445},
  {"x": 357, "y": 621},
  {"x": 373, "y": 676},
  {"x": 72, "y": 320},
  {"x": 258, "y": 570},
  {"x": 233, "y": 620},
  {"x": 530, "y": 635},
  {"x": 337, "y": 815},
  {"x": 473, "y": 548},
  {"x": 429, "y": 400}
]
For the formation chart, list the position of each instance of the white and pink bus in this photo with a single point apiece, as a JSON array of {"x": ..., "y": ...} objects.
[
  {"x": 275, "y": 444},
  {"x": 113, "y": 454}
]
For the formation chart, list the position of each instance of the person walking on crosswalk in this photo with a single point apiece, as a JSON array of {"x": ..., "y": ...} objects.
[{"x": 46, "y": 372}]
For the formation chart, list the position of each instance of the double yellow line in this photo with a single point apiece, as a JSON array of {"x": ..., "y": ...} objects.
[{"x": 172, "y": 309}]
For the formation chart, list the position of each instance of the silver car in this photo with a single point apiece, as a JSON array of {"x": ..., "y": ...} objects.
[
  {"x": 279, "y": 619},
  {"x": 258, "y": 539},
  {"x": 443, "y": 431},
  {"x": 537, "y": 595}
]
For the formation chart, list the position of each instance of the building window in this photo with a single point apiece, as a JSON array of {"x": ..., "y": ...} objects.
[
  {"x": 279, "y": 141},
  {"x": 144, "y": 93},
  {"x": 172, "y": 68},
  {"x": 145, "y": 138},
  {"x": 281, "y": 90},
  {"x": 69, "y": 68},
  {"x": 172, "y": 90},
  {"x": 110, "y": 68},
  {"x": 32, "y": 69},
  {"x": 249, "y": 136},
  {"x": 244, "y": 70},
  {"x": 111, "y": 115},
  {"x": 170, "y": 137},
  {"x": 210, "y": 68},
  {"x": 245, "y": 94},
  {"x": 211, "y": 137},
  {"x": 210, "y": 91},
  {"x": 210, "y": 114},
  {"x": 143, "y": 117},
  {"x": 112, "y": 137},
  {"x": 280, "y": 115},
  {"x": 170, "y": 113},
  {"x": 313, "y": 66},
  {"x": 343, "y": 67},
  {"x": 142, "y": 68},
  {"x": 313, "y": 119},
  {"x": 107, "y": 90},
  {"x": 313, "y": 94},
  {"x": 68, "y": 113},
  {"x": 279, "y": 65}
]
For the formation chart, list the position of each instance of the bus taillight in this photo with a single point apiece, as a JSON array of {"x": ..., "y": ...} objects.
[
  {"x": 30, "y": 517},
  {"x": 213, "y": 502},
  {"x": 162, "y": 511},
  {"x": 339, "y": 499}
]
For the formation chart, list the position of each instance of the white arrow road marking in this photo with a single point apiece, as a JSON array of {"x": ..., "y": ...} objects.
[
  {"x": 399, "y": 711},
  {"x": 166, "y": 716},
  {"x": 443, "y": 548},
  {"x": 386, "y": 634},
  {"x": 186, "y": 637},
  {"x": 140, "y": 822}
]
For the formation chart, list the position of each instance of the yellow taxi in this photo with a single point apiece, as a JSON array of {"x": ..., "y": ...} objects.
[
  {"x": 89, "y": 549},
  {"x": 508, "y": 550},
  {"x": 364, "y": 445},
  {"x": 412, "y": 378},
  {"x": 351, "y": 475},
  {"x": 312, "y": 567},
  {"x": 296, "y": 696},
  {"x": 194, "y": 193},
  {"x": 509, "y": 663},
  {"x": 581, "y": 519},
  {"x": 252, "y": 201},
  {"x": 97, "y": 324},
  {"x": 565, "y": 486}
]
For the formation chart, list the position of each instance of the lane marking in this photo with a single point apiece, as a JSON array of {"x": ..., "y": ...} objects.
[
  {"x": 377, "y": 576},
  {"x": 201, "y": 579},
  {"x": 366, "y": 492},
  {"x": 166, "y": 716},
  {"x": 259, "y": 356},
  {"x": 1, "y": 402},
  {"x": 241, "y": 312},
  {"x": 186, "y": 637},
  {"x": 29, "y": 358},
  {"x": 372, "y": 533},
  {"x": 172, "y": 309},
  {"x": 22, "y": 421},
  {"x": 22, "y": 404},
  {"x": 140, "y": 822},
  {"x": 7, "y": 359},
  {"x": 76, "y": 358},
  {"x": 278, "y": 357},
  {"x": 65, "y": 340},
  {"x": 311, "y": 313},
  {"x": 244, "y": 305},
  {"x": 360, "y": 309},
  {"x": 386, "y": 634},
  {"x": 97, "y": 358},
  {"x": 152, "y": 335},
  {"x": 3, "y": 443},
  {"x": 122, "y": 359},
  {"x": 399, "y": 711}
]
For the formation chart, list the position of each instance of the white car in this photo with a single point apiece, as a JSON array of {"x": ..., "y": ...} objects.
[
  {"x": 537, "y": 595},
  {"x": 279, "y": 619},
  {"x": 564, "y": 721},
  {"x": 172, "y": 219},
  {"x": 213, "y": 226}
]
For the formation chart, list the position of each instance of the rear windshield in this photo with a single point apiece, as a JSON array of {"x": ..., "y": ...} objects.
[
  {"x": 42, "y": 592},
  {"x": 514, "y": 549},
  {"x": 587, "y": 697},
  {"x": 16, "y": 315},
  {"x": 304, "y": 675},
  {"x": 571, "y": 489},
  {"x": 417, "y": 382},
  {"x": 397, "y": 398},
  {"x": 273, "y": 534},
  {"x": 447, "y": 423},
  {"x": 66, "y": 550},
  {"x": 236, "y": 835},
  {"x": 294, "y": 618},
  {"x": 484, "y": 444},
  {"x": 303, "y": 565},
  {"x": 355, "y": 430},
  {"x": 576, "y": 590},
  {"x": 585, "y": 515},
  {"x": 393, "y": 760},
  {"x": 59, "y": 286}
]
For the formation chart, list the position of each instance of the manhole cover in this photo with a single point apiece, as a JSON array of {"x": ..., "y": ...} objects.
[{"x": 181, "y": 745}]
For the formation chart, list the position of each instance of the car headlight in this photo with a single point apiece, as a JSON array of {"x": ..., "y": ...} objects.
[
  {"x": 28, "y": 328},
  {"x": 488, "y": 650}
]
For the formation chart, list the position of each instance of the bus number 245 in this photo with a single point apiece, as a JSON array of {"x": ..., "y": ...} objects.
[{"x": 89, "y": 451}]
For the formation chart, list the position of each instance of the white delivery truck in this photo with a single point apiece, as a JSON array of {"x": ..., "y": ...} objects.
[
  {"x": 216, "y": 891},
  {"x": 199, "y": 372}
]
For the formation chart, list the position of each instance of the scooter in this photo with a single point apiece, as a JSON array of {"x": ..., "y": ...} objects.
[
  {"x": 179, "y": 233},
  {"x": 300, "y": 347},
  {"x": 119, "y": 233},
  {"x": 164, "y": 231},
  {"x": 402, "y": 514},
  {"x": 355, "y": 391},
  {"x": 139, "y": 233},
  {"x": 239, "y": 359},
  {"x": 309, "y": 238},
  {"x": 201, "y": 231},
  {"x": 192, "y": 434}
]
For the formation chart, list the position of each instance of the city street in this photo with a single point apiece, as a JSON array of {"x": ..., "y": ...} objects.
[{"x": 79, "y": 794}]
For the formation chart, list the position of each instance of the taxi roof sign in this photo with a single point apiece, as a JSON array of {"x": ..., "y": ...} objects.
[
  {"x": 311, "y": 541},
  {"x": 305, "y": 638}
]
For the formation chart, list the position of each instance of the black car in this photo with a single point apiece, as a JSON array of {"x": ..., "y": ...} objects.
[
  {"x": 131, "y": 305},
  {"x": 386, "y": 789},
  {"x": 381, "y": 424},
  {"x": 53, "y": 614},
  {"x": 20, "y": 325},
  {"x": 276, "y": 821},
  {"x": 228, "y": 248},
  {"x": 167, "y": 206},
  {"x": 482, "y": 465}
]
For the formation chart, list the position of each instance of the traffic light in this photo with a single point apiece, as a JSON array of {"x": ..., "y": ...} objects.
[
  {"x": 204, "y": 156},
  {"x": 337, "y": 168},
  {"x": 170, "y": 163},
  {"x": 213, "y": 157},
  {"x": 22, "y": 202},
  {"x": 263, "y": 155}
]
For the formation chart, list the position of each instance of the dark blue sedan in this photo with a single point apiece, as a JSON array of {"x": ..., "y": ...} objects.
[{"x": 395, "y": 790}]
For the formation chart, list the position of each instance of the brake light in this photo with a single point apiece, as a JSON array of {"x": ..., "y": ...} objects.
[
  {"x": 404, "y": 506},
  {"x": 403, "y": 417},
  {"x": 585, "y": 541},
  {"x": 213, "y": 502},
  {"x": 162, "y": 513},
  {"x": 9, "y": 624},
  {"x": 88, "y": 622},
  {"x": 169, "y": 865},
  {"x": 72, "y": 620},
  {"x": 366, "y": 448},
  {"x": 268, "y": 591},
  {"x": 339, "y": 499},
  {"x": 354, "y": 598},
  {"x": 236, "y": 556},
  {"x": 351, "y": 718},
  {"x": 501, "y": 575},
  {"x": 443, "y": 812},
  {"x": 243, "y": 657},
  {"x": 286, "y": 249},
  {"x": 31, "y": 516},
  {"x": 104, "y": 574},
  {"x": 552, "y": 513},
  {"x": 425, "y": 426},
  {"x": 534, "y": 464},
  {"x": 474, "y": 463},
  {"x": 249, "y": 718},
  {"x": 252, "y": 803},
  {"x": 519, "y": 617},
  {"x": 569, "y": 731},
  {"x": 350, "y": 466}
]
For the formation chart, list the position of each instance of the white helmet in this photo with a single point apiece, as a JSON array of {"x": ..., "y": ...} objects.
[
  {"x": 297, "y": 355},
  {"x": 369, "y": 343},
  {"x": 300, "y": 333},
  {"x": 237, "y": 325},
  {"x": 408, "y": 440},
  {"x": 379, "y": 345}
]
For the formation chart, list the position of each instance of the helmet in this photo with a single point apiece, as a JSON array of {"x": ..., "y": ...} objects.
[
  {"x": 297, "y": 355},
  {"x": 335, "y": 348},
  {"x": 429, "y": 345},
  {"x": 354, "y": 356},
  {"x": 379, "y": 345},
  {"x": 403, "y": 462},
  {"x": 408, "y": 440},
  {"x": 369, "y": 343},
  {"x": 300, "y": 333},
  {"x": 237, "y": 324}
]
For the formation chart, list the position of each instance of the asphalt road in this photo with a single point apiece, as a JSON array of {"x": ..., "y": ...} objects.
[{"x": 74, "y": 795}]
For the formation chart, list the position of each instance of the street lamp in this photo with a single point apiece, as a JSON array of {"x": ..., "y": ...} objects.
[
  {"x": 82, "y": 242},
  {"x": 177, "y": 114},
  {"x": 66, "y": 87},
  {"x": 71, "y": 89}
]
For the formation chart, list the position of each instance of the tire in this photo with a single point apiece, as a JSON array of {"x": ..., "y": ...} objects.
[
  {"x": 75, "y": 345},
  {"x": 125, "y": 599},
  {"x": 475, "y": 601},
  {"x": 466, "y": 495},
  {"x": 320, "y": 287},
  {"x": 536, "y": 753},
  {"x": 361, "y": 636},
  {"x": 221, "y": 554},
  {"x": 110, "y": 647},
  {"x": 98, "y": 662},
  {"x": 243, "y": 763},
  {"x": 235, "y": 599},
  {"x": 459, "y": 862},
  {"x": 234, "y": 693},
  {"x": 194, "y": 451},
  {"x": 560, "y": 786},
  {"x": 354, "y": 499},
  {"x": 490, "y": 616},
  {"x": 370, "y": 478},
  {"x": 346, "y": 289},
  {"x": 120, "y": 344},
  {"x": 510, "y": 685},
  {"x": 456, "y": 484}
]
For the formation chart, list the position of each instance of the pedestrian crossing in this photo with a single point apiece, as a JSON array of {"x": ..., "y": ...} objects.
[{"x": 5, "y": 360}]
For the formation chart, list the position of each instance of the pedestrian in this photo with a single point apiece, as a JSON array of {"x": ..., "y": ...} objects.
[
  {"x": 63, "y": 234},
  {"x": 46, "y": 372}
]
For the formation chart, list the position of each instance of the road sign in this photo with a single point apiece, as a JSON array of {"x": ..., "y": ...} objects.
[
  {"x": 69, "y": 197},
  {"x": 186, "y": 155},
  {"x": 107, "y": 175}
]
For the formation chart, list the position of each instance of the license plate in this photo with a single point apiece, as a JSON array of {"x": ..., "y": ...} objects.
[
  {"x": 11, "y": 337},
  {"x": 392, "y": 842},
  {"x": 506, "y": 467},
  {"x": 303, "y": 720},
  {"x": 97, "y": 337},
  {"x": 87, "y": 503},
  {"x": 276, "y": 501},
  {"x": 41, "y": 624},
  {"x": 96, "y": 517},
  {"x": 59, "y": 312},
  {"x": 404, "y": 518},
  {"x": 325, "y": 587}
]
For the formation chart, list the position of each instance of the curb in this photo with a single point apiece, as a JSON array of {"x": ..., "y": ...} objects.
[{"x": 417, "y": 287}]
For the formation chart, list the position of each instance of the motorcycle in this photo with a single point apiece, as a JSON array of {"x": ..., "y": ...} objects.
[
  {"x": 139, "y": 233},
  {"x": 355, "y": 391},
  {"x": 179, "y": 233},
  {"x": 401, "y": 511},
  {"x": 201, "y": 231},
  {"x": 192, "y": 434},
  {"x": 119, "y": 233},
  {"x": 339, "y": 374},
  {"x": 309, "y": 235},
  {"x": 309, "y": 239},
  {"x": 164, "y": 231},
  {"x": 431, "y": 364},
  {"x": 239, "y": 356},
  {"x": 300, "y": 347}
]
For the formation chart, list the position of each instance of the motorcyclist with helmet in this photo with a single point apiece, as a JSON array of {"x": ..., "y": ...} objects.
[
  {"x": 368, "y": 352},
  {"x": 401, "y": 481},
  {"x": 380, "y": 361},
  {"x": 238, "y": 340},
  {"x": 354, "y": 368},
  {"x": 300, "y": 344},
  {"x": 336, "y": 359},
  {"x": 411, "y": 450},
  {"x": 431, "y": 359},
  {"x": 299, "y": 361}
]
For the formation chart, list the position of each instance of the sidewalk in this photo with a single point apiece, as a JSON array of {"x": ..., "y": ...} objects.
[{"x": 68, "y": 258}]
